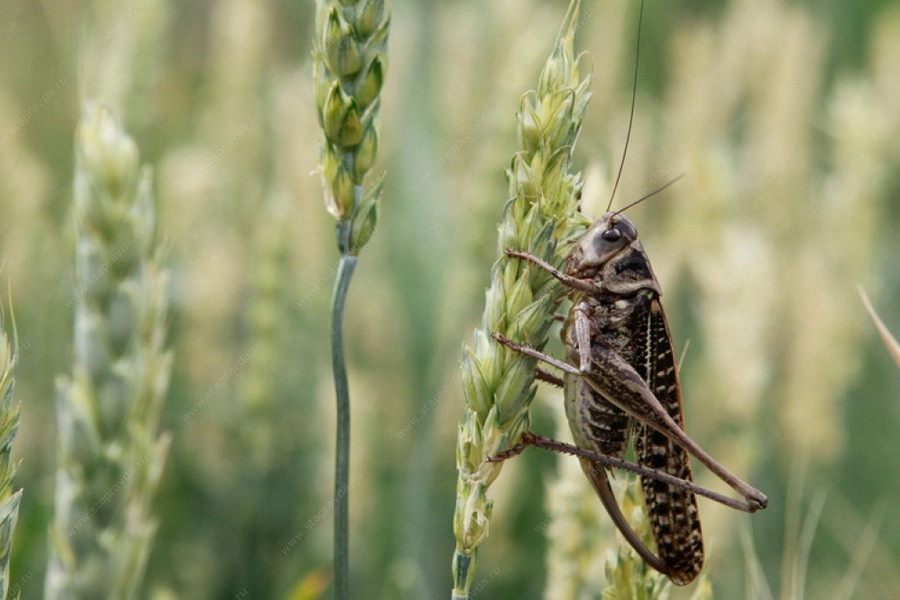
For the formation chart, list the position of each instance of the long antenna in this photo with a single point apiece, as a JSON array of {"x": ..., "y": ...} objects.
[
  {"x": 637, "y": 57},
  {"x": 645, "y": 196}
]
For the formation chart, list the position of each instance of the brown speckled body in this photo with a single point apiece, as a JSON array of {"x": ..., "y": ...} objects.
[
  {"x": 621, "y": 383},
  {"x": 630, "y": 347}
]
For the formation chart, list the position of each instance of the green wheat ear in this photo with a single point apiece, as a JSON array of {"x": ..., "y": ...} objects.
[
  {"x": 110, "y": 456},
  {"x": 350, "y": 60},
  {"x": 9, "y": 427},
  {"x": 540, "y": 217}
]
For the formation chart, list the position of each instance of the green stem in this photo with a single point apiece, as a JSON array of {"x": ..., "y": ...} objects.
[
  {"x": 463, "y": 573},
  {"x": 342, "y": 453}
]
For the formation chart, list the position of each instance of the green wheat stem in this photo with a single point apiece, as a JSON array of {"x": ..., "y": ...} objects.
[
  {"x": 350, "y": 63},
  {"x": 346, "y": 266},
  {"x": 541, "y": 218}
]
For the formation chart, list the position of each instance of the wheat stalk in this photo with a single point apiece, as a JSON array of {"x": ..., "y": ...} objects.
[
  {"x": 350, "y": 62},
  {"x": 110, "y": 456},
  {"x": 540, "y": 217}
]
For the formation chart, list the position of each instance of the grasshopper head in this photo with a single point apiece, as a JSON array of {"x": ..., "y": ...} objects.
[{"x": 610, "y": 252}]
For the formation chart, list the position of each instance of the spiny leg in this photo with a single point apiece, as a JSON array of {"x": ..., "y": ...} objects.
[
  {"x": 549, "y": 378},
  {"x": 619, "y": 383},
  {"x": 529, "y": 351},
  {"x": 600, "y": 480},
  {"x": 610, "y": 375},
  {"x": 647, "y": 409},
  {"x": 586, "y": 285},
  {"x": 530, "y": 438}
]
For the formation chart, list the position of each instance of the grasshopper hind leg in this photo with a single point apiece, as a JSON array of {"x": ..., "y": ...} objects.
[
  {"x": 548, "y": 377},
  {"x": 599, "y": 478}
]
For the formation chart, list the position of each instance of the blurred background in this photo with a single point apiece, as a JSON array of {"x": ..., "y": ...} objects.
[{"x": 784, "y": 118}]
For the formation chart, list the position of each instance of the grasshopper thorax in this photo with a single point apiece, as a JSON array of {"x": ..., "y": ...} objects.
[{"x": 610, "y": 253}]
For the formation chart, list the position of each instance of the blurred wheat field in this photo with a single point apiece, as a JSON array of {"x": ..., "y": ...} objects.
[{"x": 784, "y": 118}]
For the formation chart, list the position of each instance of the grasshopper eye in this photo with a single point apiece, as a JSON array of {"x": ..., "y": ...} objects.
[{"x": 611, "y": 235}]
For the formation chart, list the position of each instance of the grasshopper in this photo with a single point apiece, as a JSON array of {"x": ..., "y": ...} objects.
[{"x": 621, "y": 381}]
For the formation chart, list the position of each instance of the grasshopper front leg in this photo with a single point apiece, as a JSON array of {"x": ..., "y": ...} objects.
[{"x": 585, "y": 285}]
